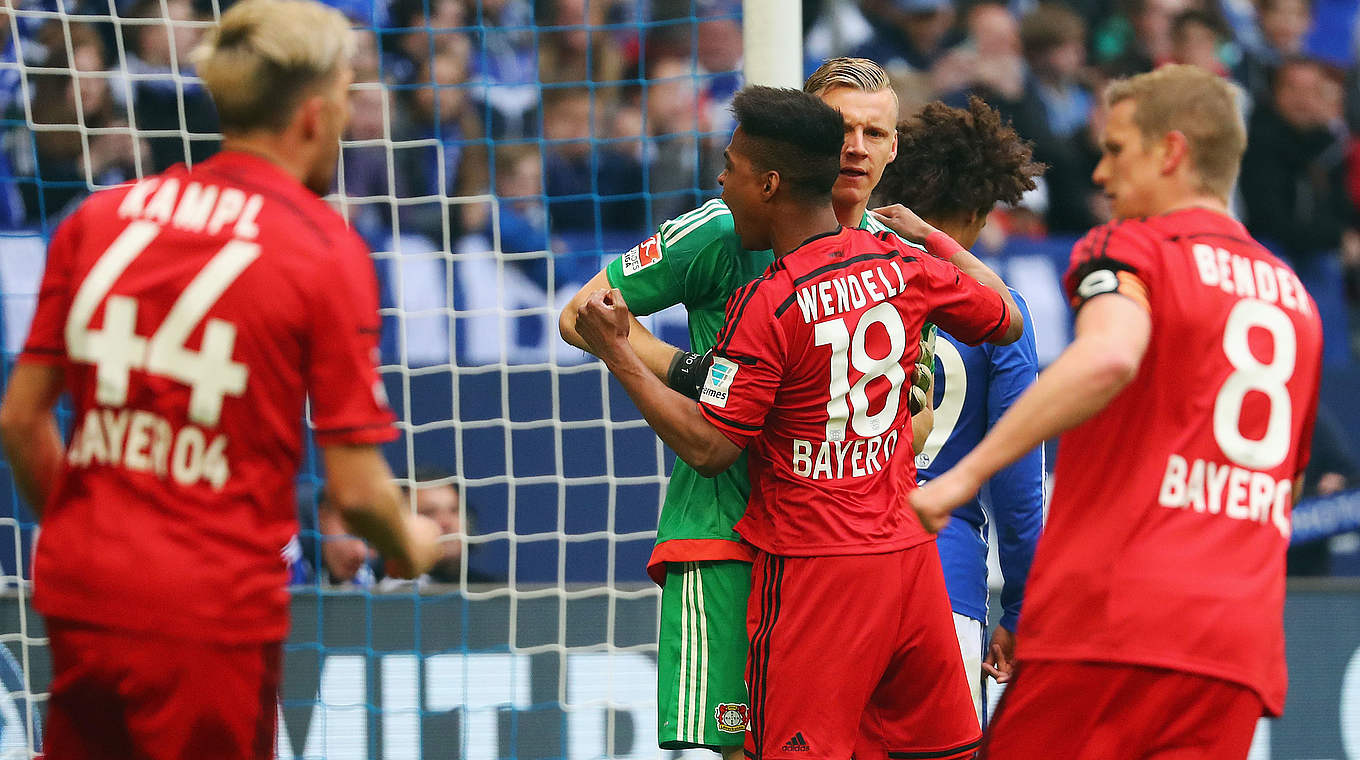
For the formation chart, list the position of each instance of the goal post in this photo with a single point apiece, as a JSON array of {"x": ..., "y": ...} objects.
[{"x": 772, "y": 40}]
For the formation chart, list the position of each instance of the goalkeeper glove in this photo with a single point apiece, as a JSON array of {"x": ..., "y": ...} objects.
[
  {"x": 923, "y": 376},
  {"x": 688, "y": 372}
]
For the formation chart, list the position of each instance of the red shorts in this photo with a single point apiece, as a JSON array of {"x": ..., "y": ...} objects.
[
  {"x": 123, "y": 695},
  {"x": 1101, "y": 710},
  {"x": 856, "y": 654}
]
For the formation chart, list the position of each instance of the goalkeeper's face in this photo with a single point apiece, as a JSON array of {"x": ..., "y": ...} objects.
[
  {"x": 870, "y": 142},
  {"x": 331, "y": 118}
]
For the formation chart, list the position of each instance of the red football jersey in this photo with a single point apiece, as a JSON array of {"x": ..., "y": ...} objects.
[
  {"x": 193, "y": 312},
  {"x": 1166, "y": 538},
  {"x": 812, "y": 371}
]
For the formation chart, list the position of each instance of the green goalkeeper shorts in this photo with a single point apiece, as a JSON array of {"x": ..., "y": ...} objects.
[{"x": 701, "y": 662}]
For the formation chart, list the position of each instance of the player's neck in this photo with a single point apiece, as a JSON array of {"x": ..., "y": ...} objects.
[
  {"x": 850, "y": 216},
  {"x": 800, "y": 221},
  {"x": 1206, "y": 202},
  {"x": 271, "y": 149}
]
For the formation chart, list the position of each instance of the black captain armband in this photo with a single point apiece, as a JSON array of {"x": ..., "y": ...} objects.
[{"x": 688, "y": 372}]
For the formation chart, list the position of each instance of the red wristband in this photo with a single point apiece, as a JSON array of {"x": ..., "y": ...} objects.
[{"x": 941, "y": 246}]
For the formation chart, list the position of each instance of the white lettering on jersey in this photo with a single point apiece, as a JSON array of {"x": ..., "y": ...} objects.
[
  {"x": 841, "y": 459},
  {"x": 718, "y": 383},
  {"x": 195, "y": 208},
  {"x": 140, "y": 441},
  {"x": 641, "y": 256},
  {"x": 1249, "y": 278},
  {"x": 1223, "y": 489},
  {"x": 850, "y": 292}
]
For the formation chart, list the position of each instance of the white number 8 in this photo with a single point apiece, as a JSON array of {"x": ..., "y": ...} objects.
[{"x": 1252, "y": 375}]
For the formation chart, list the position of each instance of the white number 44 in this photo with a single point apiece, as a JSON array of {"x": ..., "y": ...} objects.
[{"x": 116, "y": 349}]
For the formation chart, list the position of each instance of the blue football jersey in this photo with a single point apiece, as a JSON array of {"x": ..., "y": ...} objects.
[{"x": 974, "y": 386}]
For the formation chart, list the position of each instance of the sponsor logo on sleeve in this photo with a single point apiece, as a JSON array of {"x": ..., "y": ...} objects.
[
  {"x": 642, "y": 255},
  {"x": 718, "y": 383},
  {"x": 732, "y": 719}
]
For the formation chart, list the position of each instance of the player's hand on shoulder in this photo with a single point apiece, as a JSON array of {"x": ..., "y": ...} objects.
[
  {"x": 603, "y": 321},
  {"x": 935, "y": 500},
  {"x": 423, "y": 536},
  {"x": 904, "y": 222}
]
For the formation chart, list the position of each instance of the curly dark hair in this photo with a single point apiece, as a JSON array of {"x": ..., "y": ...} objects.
[
  {"x": 793, "y": 133},
  {"x": 953, "y": 162}
]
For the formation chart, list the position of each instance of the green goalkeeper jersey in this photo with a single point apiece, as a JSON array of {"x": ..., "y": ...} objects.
[{"x": 697, "y": 260}]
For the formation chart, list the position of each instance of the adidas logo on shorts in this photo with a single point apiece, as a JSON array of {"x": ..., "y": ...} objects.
[{"x": 796, "y": 744}]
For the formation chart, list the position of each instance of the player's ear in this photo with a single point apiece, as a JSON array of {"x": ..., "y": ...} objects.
[
  {"x": 311, "y": 117},
  {"x": 771, "y": 185},
  {"x": 1175, "y": 151}
]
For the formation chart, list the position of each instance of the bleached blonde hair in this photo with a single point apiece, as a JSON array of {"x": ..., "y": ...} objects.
[
  {"x": 267, "y": 55},
  {"x": 855, "y": 73}
]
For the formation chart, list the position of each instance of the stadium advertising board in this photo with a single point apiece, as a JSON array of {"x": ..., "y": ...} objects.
[{"x": 444, "y": 676}]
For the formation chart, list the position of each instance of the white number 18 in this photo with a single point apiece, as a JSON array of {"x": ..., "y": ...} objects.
[{"x": 847, "y": 351}]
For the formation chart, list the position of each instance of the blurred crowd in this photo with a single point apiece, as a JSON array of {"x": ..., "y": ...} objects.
[
  {"x": 573, "y": 126},
  {"x": 533, "y": 139}
]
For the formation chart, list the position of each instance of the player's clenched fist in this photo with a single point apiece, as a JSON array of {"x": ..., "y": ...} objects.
[
  {"x": 423, "y": 536},
  {"x": 935, "y": 500},
  {"x": 603, "y": 322}
]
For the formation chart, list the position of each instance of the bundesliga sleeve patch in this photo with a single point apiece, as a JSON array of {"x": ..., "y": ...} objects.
[
  {"x": 718, "y": 383},
  {"x": 642, "y": 255}
]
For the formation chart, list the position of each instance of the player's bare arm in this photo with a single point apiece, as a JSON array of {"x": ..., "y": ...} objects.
[
  {"x": 29, "y": 431},
  {"x": 657, "y": 354},
  {"x": 603, "y": 322},
  {"x": 909, "y": 226},
  {"x": 359, "y": 484},
  {"x": 1112, "y": 334}
]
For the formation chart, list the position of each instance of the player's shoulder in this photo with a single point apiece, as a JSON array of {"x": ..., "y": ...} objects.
[
  {"x": 765, "y": 292},
  {"x": 1118, "y": 231},
  {"x": 106, "y": 209},
  {"x": 288, "y": 210},
  {"x": 885, "y": 235},
  {"x": 1121, "y": 238},
  {"x": 700, "y": 228},
  {"x": 107, "y": 205}
]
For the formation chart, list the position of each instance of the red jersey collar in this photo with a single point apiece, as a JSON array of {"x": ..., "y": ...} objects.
[{"x": 819, "y": 236}]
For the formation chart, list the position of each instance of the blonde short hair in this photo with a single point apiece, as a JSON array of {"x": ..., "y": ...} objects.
[
  {"x": 855, "y": 73},
  {"x": 1198, "y": 104},
  {"x": 266, "y": 55}
]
